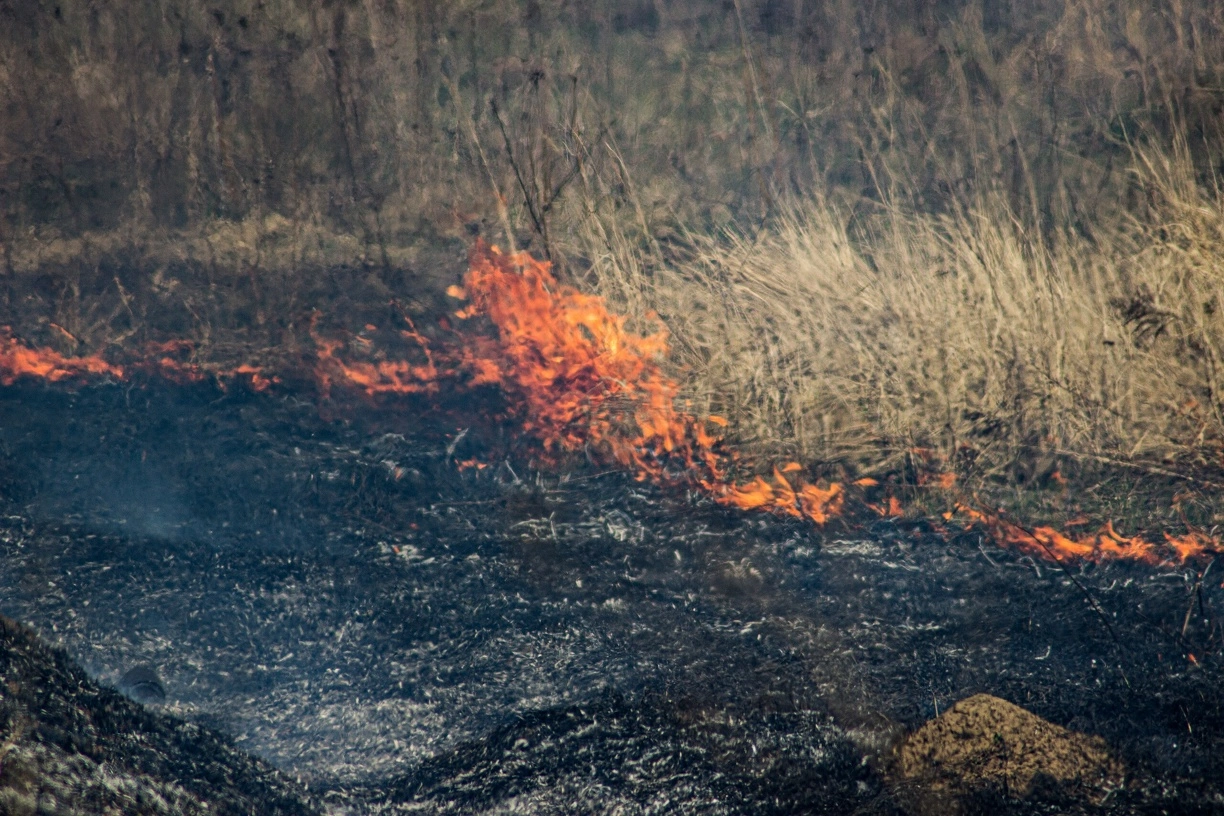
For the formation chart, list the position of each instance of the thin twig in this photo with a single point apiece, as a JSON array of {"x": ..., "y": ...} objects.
[
  {"x": 633, "y": 196},
  {"x": 756, "y": 88},
  {"x": 528, "y": 198},
  {"x": 502, "y": 213},
  {"x": 1195, "y": 594},
  {"x": 1146, "y": 468}
]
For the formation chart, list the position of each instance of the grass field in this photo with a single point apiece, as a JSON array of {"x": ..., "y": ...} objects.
[{"x": 980, "y": 236}]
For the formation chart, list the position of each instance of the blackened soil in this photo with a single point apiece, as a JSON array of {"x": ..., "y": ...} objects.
[
  {"x": 72, "y": 747},
  {"x": 408, "y": 635}
]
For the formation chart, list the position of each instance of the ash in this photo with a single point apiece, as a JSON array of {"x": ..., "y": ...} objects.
[{"x": 404, "y": 633}]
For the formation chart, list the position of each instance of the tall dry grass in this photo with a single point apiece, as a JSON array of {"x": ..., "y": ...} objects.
[
  {"x": 1003, "y": 245},
  {"x": 378, "y": 120},
  {"x": 848, "y": 337},
  {"x": 986, "y": 228}
]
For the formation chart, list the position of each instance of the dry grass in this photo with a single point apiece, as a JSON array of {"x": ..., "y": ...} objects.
[
  {"x": 987, "y": 229},
  {"x": 961, "y": 332},
  {"x": 1029, "y": 288}
]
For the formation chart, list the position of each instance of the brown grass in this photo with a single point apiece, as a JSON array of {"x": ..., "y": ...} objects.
[
  {"x": 964, "y": 332},
  {"x": 987, "y": 229},
  {"x": 1027, "y": 287}
]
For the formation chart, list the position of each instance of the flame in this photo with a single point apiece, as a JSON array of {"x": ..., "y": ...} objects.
[
  {"x": 580, "y": 376},
  {"x": 172, "y": 361},
  {"x": 18, "y": 360},
  {"x": 384, "y": 376},
  {"x": 255, "y": 377},
  {"x": 944, "y": 480},
  {"x": 1104, "y": 545},
  {"x": 587, "y": 383},
  {"x": 582, "y": 382},
  {"x": 893, "y": 509},
  {"x": 371, "y": 378}
]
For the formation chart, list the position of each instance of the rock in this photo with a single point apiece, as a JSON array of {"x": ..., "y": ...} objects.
[{"x": 142, "y": 684}]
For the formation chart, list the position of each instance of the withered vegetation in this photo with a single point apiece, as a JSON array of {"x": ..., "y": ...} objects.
[{"x": 990, "y": 232}]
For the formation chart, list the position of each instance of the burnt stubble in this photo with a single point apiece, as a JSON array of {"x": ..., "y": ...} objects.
[{"x": 404, "y": 634}]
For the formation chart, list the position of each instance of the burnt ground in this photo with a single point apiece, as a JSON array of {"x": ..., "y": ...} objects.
[{"x": 329, "y": 588}]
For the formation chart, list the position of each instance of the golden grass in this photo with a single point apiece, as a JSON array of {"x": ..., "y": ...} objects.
[
  {"x": 991, "y": 230},
  {"x": 965, "y": 332}
]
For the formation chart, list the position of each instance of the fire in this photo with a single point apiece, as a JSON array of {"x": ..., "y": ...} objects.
[
  {"x": 587, "y": 383},
  {"x": 18, "y": 360},
  {"x": 582, "y": 381},
  {"x": 1104, "y": 545},
  {"x": 383, "y": 376}
]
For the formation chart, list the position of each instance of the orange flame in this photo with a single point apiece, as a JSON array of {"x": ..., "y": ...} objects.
[
  {"x": 381, "y": 377},
  {"x": 18, "y": 360},
  {"x": 586, "y": 382},
  {"x": 1104, "y": 545},
  {"x": 582, "y": 381}
]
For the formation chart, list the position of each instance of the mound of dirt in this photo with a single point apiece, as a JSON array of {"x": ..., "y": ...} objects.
[
  {"x": 70, "y": 746},
  {"x": 984, "y": 743}
]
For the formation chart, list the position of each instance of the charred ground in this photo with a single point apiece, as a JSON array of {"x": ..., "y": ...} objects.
[
  {"x": 404, "y": 634},
  {"x": 326, "y": 584}
]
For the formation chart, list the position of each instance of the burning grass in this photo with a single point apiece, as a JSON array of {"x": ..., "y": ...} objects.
[
  {"x": 578, "y": 381},
  {"x": 584, "y": 382},
  {"x": 1036, "y": 294},
  {"x": 989, "y": 236}
]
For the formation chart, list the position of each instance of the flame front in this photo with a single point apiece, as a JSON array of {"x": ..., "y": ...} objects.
[
  {"x": 1104, "y": 545},
  {"x": 580, "y": 381},
  {"x": 18, "y": 360}
]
